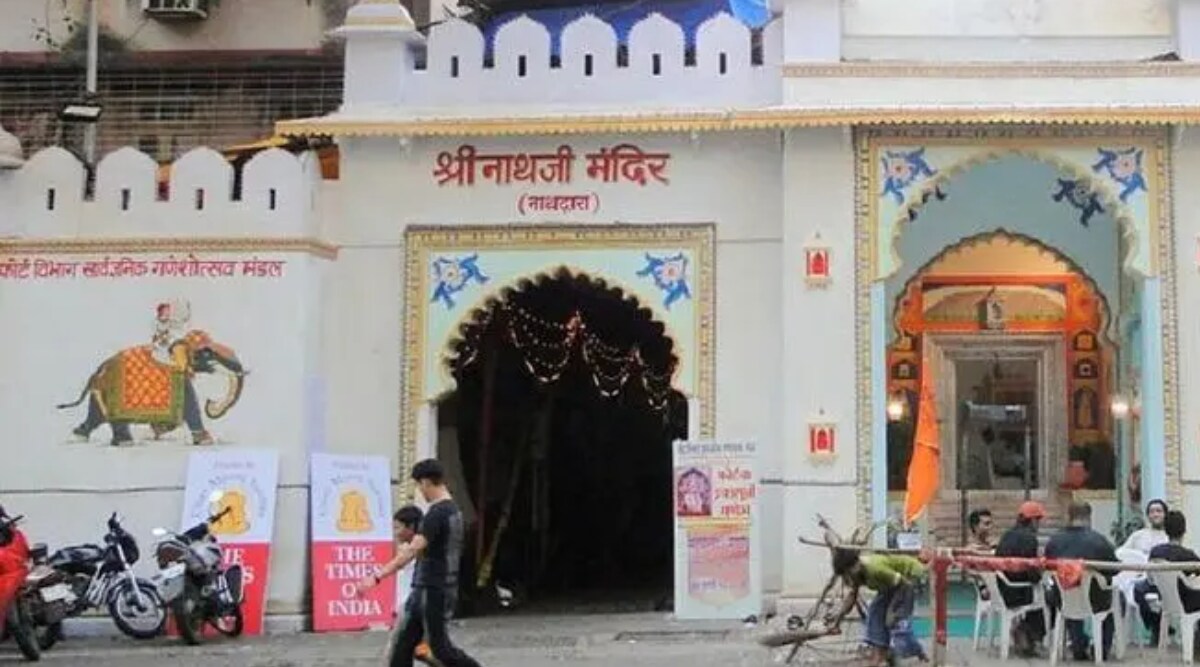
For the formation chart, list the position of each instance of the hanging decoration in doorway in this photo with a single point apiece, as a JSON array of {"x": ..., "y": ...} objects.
[
  {"x": 548, "y": 348},
  {"x": 1080, "y": 195},
  {"x": 822, "y": 440},
  {"x": 816, "y": 263},
  {"x": 1123, "y": 166},
  {"x": 452, "y": 275},
  {"x": 670, "y": 276}
]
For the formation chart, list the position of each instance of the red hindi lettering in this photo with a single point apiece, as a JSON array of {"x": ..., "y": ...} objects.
[
  {"x": 99, "y": 268},
  {"x": 496, "y": 168},
  {"x": 628, "y": 162},
  {"x": 47, "y": 268},
  {"x": 262, "y": 268},
  {"x": 15, "y": 268},
  {"x": 555, "y": 167},
  {"x": 127, "y": 266},
  {"x": 457, "y": 167}
]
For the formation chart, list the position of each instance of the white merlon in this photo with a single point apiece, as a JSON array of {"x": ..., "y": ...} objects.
[
  {"x": 277, "y": 198},
  {"x": 659, "y": 68}
]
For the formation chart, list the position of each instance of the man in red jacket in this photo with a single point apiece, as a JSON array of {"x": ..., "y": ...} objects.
[{"x": 14, "y": 564}]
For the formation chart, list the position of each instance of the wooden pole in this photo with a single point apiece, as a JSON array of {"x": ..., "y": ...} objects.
[
  {"x": 1046, "y": 563},
  {"x": 941, "y": 566},
  {"x": 485, "y": 571},
  {"x": 491, "y": 364}
]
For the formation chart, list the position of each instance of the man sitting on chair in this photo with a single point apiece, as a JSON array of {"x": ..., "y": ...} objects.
[
  {"x": 1175, "y": 525},
  {"x": 1021, "y": 541},
  {"x": 1079, "y": 541}
]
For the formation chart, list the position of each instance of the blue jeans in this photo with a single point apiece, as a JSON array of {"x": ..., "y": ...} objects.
[{"x": 897, "y": 634}]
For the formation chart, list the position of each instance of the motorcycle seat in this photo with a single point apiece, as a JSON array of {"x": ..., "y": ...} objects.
[
  {"x": 83, "y": 553},
  {"x": 38, "y": 551}
]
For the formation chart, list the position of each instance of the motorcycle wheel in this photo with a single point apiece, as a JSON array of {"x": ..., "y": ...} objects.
[
  {"x": 231, "y": 624},
  {"x": 48, "y": 635},
  {"x": 20, "y": 625},
  {"x": 189, "y": 615},
  {"x": 137, "y": 623}
]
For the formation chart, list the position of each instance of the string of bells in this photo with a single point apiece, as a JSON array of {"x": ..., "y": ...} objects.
[{"x": 547, "y": 349}]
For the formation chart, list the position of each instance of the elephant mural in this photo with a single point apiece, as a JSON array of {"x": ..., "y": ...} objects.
[{"x": 135, "y": 386}]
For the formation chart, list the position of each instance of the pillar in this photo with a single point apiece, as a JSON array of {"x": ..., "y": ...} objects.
[
  {"x": 427, "y": 432},
  {"x": 1187, "y": 29},
  {"x": 879, "y": 458},
  {"x": 812, "y": 30},
  {"x": 1153, "y": 412},
  {"x": 693, "y": 418},
  {"x": 380, "y": 37}
]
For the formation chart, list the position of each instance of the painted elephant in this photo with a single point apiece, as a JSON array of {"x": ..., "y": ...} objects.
[{"x": 148, "y": 385}]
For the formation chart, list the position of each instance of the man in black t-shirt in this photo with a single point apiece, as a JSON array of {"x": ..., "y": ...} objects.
[
  {"x": 1079, "y": 542},
  {"x": 1175, "y": 525},
  {"x": 437, "y": 548}
]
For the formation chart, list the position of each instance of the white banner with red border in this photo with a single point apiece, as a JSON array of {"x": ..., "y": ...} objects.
[
  {"x": 351, "y": 538},
  {"x": 248, "y": 480},
  {"x": 718, "y": 572}
]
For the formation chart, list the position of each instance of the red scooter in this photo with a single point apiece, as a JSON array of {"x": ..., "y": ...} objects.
[{"x": 18, "y": 619}]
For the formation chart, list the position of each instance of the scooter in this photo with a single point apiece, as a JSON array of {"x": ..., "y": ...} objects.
[
  {"x": 19, "y": 623},
  {"x": 195, "y": 584}
]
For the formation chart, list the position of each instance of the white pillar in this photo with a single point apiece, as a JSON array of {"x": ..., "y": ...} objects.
[
  {"x": 427, "y": 433},
  {"x": 812, "y": 31},
  {"x": 693, "y": 427},
  {"x": 1187, "y": 29},
  {"x": 380, "y": 36}
]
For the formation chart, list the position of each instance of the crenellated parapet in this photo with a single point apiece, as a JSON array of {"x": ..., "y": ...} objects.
[
  {"x": 389, "y": 64},
  {"x": 202, "y": 195}
]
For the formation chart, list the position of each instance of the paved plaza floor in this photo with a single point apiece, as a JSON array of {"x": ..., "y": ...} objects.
[{"x": 633, "y": 640}]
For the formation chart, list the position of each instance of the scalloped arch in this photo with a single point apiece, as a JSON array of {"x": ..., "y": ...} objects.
[
  {"x": 1113, "y": 205},
  {"x": 629, "y": 300},
  {"x": 1106, "y": 314}
]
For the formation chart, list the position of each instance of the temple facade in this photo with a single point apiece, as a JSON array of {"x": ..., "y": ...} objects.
[{"x": 557, "y": 243}]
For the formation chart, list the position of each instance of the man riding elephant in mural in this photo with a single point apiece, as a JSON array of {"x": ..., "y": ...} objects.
[{"x": 152, "y": 384}]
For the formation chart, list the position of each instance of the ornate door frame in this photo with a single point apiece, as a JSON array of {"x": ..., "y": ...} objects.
[{"x": 1048, "y": 351}]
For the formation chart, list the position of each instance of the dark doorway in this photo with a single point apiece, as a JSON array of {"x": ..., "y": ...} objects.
[{"x": 564, "y": 416}]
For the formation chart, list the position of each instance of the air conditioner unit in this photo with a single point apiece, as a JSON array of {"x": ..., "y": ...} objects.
[{"x": 176, "y": 9}]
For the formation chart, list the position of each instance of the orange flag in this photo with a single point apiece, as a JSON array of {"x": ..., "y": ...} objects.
[{"x": 923, "y": 477}]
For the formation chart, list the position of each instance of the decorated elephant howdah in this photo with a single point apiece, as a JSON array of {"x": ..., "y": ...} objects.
[{"x": 139, "y": 385}]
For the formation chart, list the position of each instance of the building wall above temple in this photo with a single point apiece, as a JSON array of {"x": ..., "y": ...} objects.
[{"x": 1007, "y": 30}]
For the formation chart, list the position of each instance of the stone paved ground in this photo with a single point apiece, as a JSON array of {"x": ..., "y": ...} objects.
[{"x": 515, "y": 641}]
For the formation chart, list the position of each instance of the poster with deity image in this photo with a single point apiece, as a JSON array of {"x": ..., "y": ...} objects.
[
  {"x": 247, "y": 482},
  {"x": 717, "y": 551},
  {"x": 351, "y": 538}
]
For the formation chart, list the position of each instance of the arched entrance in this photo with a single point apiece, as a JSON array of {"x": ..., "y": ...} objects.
[
  {"x": 1092, "y": 201},
  {"x": 1000, "y": 319},
  {"x": 558, "y": 431}
]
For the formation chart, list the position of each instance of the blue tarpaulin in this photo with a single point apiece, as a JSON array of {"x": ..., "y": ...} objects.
[{"x": 689, "y": 14}]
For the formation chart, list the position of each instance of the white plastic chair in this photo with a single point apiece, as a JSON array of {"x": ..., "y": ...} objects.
[
  {"x": 983, "y": 611},
  {"x": 1077, "y": 606},
  {"x": 1008, "y": 616},
  {"x": 1125, "y": 582},
  {"x": 1172, "y": 610}
]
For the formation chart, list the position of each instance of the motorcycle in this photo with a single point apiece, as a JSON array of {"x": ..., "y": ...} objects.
[
  {"x": 19, "y": 623},
  {"x": 87, "y": 576},
  {"x": 195, "y": 584}
]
